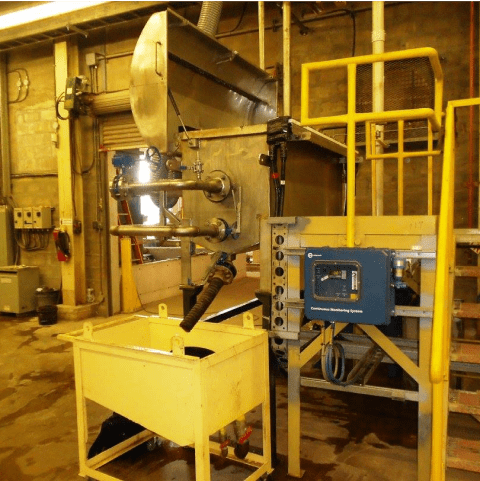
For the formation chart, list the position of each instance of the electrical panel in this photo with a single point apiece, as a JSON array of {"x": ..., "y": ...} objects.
[
  {"x": 353, "y": 285},
  {"x": 18, "y": 217},
  {"x": 6, "y": 237},
  {"x": 32, "y": 217},
  {"x": 28, "y": 218},
  {"x": 42, "y": 218},
  {"x": 18, "y": 285}
]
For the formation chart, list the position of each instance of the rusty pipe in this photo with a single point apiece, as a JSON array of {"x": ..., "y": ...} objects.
[{"x": 212, "y": 230}]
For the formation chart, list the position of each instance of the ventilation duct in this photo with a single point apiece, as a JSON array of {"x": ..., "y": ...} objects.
[{"x": 209, "y": 17}]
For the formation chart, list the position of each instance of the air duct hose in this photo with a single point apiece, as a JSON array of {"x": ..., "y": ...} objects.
[
  {"x": 209, "y": 17},
  {"x": 223, "y": 274}
]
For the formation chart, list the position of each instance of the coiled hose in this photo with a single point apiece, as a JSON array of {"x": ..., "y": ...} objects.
[
  {"x": 204, "y": 300},
  {"x": 333, "y": 359}
]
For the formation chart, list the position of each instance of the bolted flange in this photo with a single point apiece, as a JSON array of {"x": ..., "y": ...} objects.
[{"x": 226, "y": 186}]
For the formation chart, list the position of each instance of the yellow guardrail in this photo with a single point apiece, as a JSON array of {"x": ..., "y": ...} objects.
[
  {"x": 442, "y": 318},
  {"x": 433, "y": 116}
]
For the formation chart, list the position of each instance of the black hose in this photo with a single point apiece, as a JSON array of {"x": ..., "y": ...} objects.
[
  {"x": 204, "y": 300},
  {"x": 283, "y": 161},
  {"x": 276, "y": 182}
]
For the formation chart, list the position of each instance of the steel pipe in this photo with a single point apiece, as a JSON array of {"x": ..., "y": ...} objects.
[
  {"x": 211, "y": 185},
  {"x": 378, "y": 84},
  {"x": 287, "y": 15},
  {"x": 261, "y": 35},
  {"x": 212, "y": 230}
]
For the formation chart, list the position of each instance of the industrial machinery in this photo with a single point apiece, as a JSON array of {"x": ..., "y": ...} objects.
[
  {"x": 252, "y": 179},
  {"x": 234, "y": 161}
]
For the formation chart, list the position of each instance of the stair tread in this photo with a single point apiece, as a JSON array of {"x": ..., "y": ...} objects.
[
  {"x": 469, "y": 310},
  {"x": 465, "y": 351},
  {"x": 467, "y": 271},
  {"x": 467, "y": 402},
  {"x": 463, "y": 454},
  {"x": 470, "y": 237}
]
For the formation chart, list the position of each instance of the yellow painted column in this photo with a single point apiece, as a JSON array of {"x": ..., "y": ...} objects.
[
  {"x": 70, "y": 185},
  {"x": 130, "y": 300},
  {"x": 352, "y": 78}
]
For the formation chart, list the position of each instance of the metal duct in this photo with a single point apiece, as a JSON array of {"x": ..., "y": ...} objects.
[
  {"x": 109, "y": 103},
  {"x": 209, "y": 17}
]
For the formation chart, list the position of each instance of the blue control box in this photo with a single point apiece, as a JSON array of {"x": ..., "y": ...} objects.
[{"x": 349, "y": 285}]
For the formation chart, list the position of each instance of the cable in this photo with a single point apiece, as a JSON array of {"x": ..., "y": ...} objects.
[
  {"x": 245, "y": 5},
  {"x": 20, "y": 84},
  {"x": 57, "y": 102}
]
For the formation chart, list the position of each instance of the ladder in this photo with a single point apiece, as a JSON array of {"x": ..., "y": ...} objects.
[
  {"x": 127, "y": 220},
  {"x": 465, "y": 352}
]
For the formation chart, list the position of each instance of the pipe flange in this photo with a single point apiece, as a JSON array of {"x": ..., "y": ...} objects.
[
  {"x": 223, "y": 230},
  {"x": 226, "y": 186},
  {"x": 119, "y": 187}
]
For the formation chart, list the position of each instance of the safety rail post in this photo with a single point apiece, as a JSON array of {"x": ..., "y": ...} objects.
[
  {"x": 439, "y": 366},
  {"x": 352, "y": 84},
  {"x": 430, "y": 169},
  {"x": 400, "y": 166}
]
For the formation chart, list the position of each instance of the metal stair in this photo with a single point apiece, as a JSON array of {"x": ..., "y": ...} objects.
[{"x": 465, "y": 353}]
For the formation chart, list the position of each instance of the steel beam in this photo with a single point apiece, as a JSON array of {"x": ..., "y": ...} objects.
[{"x": 70, "y": 185}]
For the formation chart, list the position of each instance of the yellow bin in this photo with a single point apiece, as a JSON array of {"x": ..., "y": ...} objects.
[{"x": 138, "y": 368}]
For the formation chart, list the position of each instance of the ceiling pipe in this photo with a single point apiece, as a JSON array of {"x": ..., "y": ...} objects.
[
  {"x": 378, "y": 46},
  {"x": 287, "y": 19},
  {"x": 261, "y": 34}
]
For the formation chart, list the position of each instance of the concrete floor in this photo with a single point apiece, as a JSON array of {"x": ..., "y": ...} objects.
[{"x": 346, "y": 437}]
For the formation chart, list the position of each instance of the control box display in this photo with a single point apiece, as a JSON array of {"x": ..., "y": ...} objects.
[{"x": 349, "y": 285}]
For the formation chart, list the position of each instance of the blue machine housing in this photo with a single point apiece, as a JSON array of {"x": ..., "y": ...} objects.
[{"x": 353, "y": 285}]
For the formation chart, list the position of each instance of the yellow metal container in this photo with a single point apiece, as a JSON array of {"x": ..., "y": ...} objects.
[{"x": 138, "y": 368}]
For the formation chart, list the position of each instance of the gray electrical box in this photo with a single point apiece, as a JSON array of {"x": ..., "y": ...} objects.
[
  {"x": 17, "y": 289},
  {"x": 349, "y": 285},
  {"x": 6, "y": 236}
]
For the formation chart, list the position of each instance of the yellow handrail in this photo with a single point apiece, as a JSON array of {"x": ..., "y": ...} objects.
[
  {"x": 435, "y": 114},
  {"x": 351, "y": 118},
  {"x": 441, "y": 331},
  {"x": 442, "y": 308}
]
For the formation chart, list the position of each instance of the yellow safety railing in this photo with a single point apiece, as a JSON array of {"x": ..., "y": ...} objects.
[
  {"x": 400, "y": 155},
  {"x": 352, "y": 117},
  {"x": 435, "y": 114},
  {"x": 442, "y": 318}
]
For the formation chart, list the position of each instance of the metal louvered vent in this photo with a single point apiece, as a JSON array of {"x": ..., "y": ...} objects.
[{"x": 119, "y": 132}]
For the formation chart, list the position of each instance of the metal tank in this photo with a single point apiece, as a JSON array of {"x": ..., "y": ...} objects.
[{"x": 211, "y": 85}]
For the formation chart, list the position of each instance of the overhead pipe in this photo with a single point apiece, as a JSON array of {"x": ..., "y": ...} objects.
[
  {"x": 210, "y": 17},
  {"x": 261, "y": 34},
  {"x": 287, "y": 18},
  {"x": 378, "y": 104}
]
